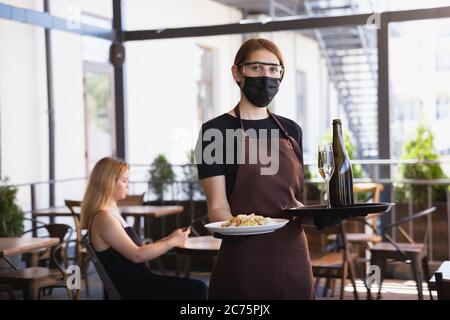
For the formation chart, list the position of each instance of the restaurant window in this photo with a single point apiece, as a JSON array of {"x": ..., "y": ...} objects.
[
  {"x": 442, "y": 106},
  {"x": 205, "y": 108},
  {"x": 99, "y": 112},
  {"x": 406, "y": 109},
  {"x": 301, "y": 100},
  {"x": 443, "y": 51}
]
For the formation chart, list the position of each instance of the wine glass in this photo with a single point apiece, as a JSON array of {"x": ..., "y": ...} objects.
[{"x": 326, "y": 166}]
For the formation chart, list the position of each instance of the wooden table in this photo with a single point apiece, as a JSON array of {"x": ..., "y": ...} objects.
[
  {"x": 206, "y": 245},
  {"x": 197, "y": 246},
  {"x": 52, "y": 212},
  {"x": 135, "y": 211},
  {"x": 444, "y": 268},
  {"x": 147, "y": 212},
  {"x": 150, "y": 211},
  {"x": 14, "y": 246}
]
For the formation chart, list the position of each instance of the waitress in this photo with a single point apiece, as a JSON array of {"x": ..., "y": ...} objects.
[{"x": 266, "y": 266}]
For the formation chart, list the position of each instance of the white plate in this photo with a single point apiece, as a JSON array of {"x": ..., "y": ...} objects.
[{"x": 246, "y": 230}]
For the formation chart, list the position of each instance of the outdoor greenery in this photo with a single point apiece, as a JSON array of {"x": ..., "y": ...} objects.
[
  {"x": 161, "y": 175},
  {"x": 11, "y": 215},
  {"x": 420, "y": 147}
]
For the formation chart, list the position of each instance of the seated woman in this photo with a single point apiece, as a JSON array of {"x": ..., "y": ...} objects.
[{"x": 118, "y": 246}]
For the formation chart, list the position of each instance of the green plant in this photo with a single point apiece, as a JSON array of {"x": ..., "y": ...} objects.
[
  {"x": 161, "y": 174},
  {"x": 11, "y": 215},
  {"x": 192, "y": 184},
  {"x": 420, "y": 147}
]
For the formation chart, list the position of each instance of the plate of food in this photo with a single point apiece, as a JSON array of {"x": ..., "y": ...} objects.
[{"x": 243, "y": 224}]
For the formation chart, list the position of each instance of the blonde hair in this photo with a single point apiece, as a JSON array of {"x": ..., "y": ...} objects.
[{"x": 100, "y": 190}]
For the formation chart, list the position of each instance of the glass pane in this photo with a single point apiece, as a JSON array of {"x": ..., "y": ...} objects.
[
  {"x": 72, "y": 94},
  {"x": 156, "y": 14},
  {"x": 99, "y": 113},
  {"x": 23, "y": 109},
  {"x": 37, "y": 5},
  {"x": 77, "y": 10},
  {"x": 167, "y": 105},
  {"x": 420, "y": 72}
]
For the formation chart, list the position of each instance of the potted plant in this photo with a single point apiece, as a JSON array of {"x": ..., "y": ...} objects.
[
  {"x": 421, "y": 147},
  {"x": 161, "y": 175},
  {"x": 191, "y": 185},
  {"x": 11, "y": 215}
]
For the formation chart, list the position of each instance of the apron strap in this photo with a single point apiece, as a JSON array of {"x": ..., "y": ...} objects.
[{"x": 291, "y": 140}]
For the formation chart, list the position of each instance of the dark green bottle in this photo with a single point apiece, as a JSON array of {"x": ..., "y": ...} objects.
[{"x": 341, "y": 182}]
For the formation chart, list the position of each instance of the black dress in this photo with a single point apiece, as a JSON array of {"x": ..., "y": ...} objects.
[{"x": 135, "y": 281}]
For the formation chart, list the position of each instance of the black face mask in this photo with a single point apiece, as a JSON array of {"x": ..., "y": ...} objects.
[{"x": 260, "y": 90}]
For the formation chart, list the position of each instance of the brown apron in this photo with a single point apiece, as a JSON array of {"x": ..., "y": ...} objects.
[{"x": 267, "y": 266}]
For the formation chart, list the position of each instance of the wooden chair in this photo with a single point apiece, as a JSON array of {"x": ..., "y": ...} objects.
[
  {"x": 81, "y": 254},
  {"x": 370, "y": 236},
  {"x": 334, "y": 265},
  {"x": 442, "y": 286},
  {"x": 410, "y": 252},
  {"x": 33, "y": 280},
  {"x": 43, "y": 258},
  {"x": 109, "y": 288}
]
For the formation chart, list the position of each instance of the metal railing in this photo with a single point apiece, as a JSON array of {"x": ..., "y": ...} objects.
[{"x": 176, "y": 190}]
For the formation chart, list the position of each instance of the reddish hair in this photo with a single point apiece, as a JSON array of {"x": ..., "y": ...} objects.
[{"x": 252, "y": 45}]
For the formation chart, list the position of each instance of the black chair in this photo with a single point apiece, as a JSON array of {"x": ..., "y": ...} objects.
[
  {"x": 43, "y": 258},
  {"x": 339, "y": 264},
  {"x": 109, "y": 289},
  {"x": 35, "y": 280},
  {"x": 409, "y": 252}
]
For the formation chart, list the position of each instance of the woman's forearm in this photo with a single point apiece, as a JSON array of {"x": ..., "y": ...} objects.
[
  {"x": 151, "y": 251},
  {"x": 219, "y": 214}
]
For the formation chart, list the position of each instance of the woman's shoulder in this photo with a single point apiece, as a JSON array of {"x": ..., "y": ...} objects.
[{"x": 102, "y": 217}]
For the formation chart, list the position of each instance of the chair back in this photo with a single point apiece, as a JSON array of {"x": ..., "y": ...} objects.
[
  {"x": 108, "y": 285},
  {"x": 398, "y": 225},
  {"x": 75, "y": 207},
  {"x": 340, "y": 231}
]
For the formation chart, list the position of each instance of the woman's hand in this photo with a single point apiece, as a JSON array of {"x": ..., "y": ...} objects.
[
  {"x": 178, "y": 237},
  {"x": 303, "y": 220},
  {"x": 299, "y": 204}
]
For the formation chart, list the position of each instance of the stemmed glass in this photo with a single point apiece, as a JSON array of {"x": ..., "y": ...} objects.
[{"x": 326, "y": 166}]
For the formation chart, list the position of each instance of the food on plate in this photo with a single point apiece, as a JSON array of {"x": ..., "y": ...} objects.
[{"x": 251, "y": 220}]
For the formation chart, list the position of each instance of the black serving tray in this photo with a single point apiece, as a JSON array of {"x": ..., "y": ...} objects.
[{"x": 356, "y": 210}]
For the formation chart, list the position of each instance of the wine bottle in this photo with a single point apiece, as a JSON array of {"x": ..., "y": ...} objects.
[{"x": 341, "y": 182}]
